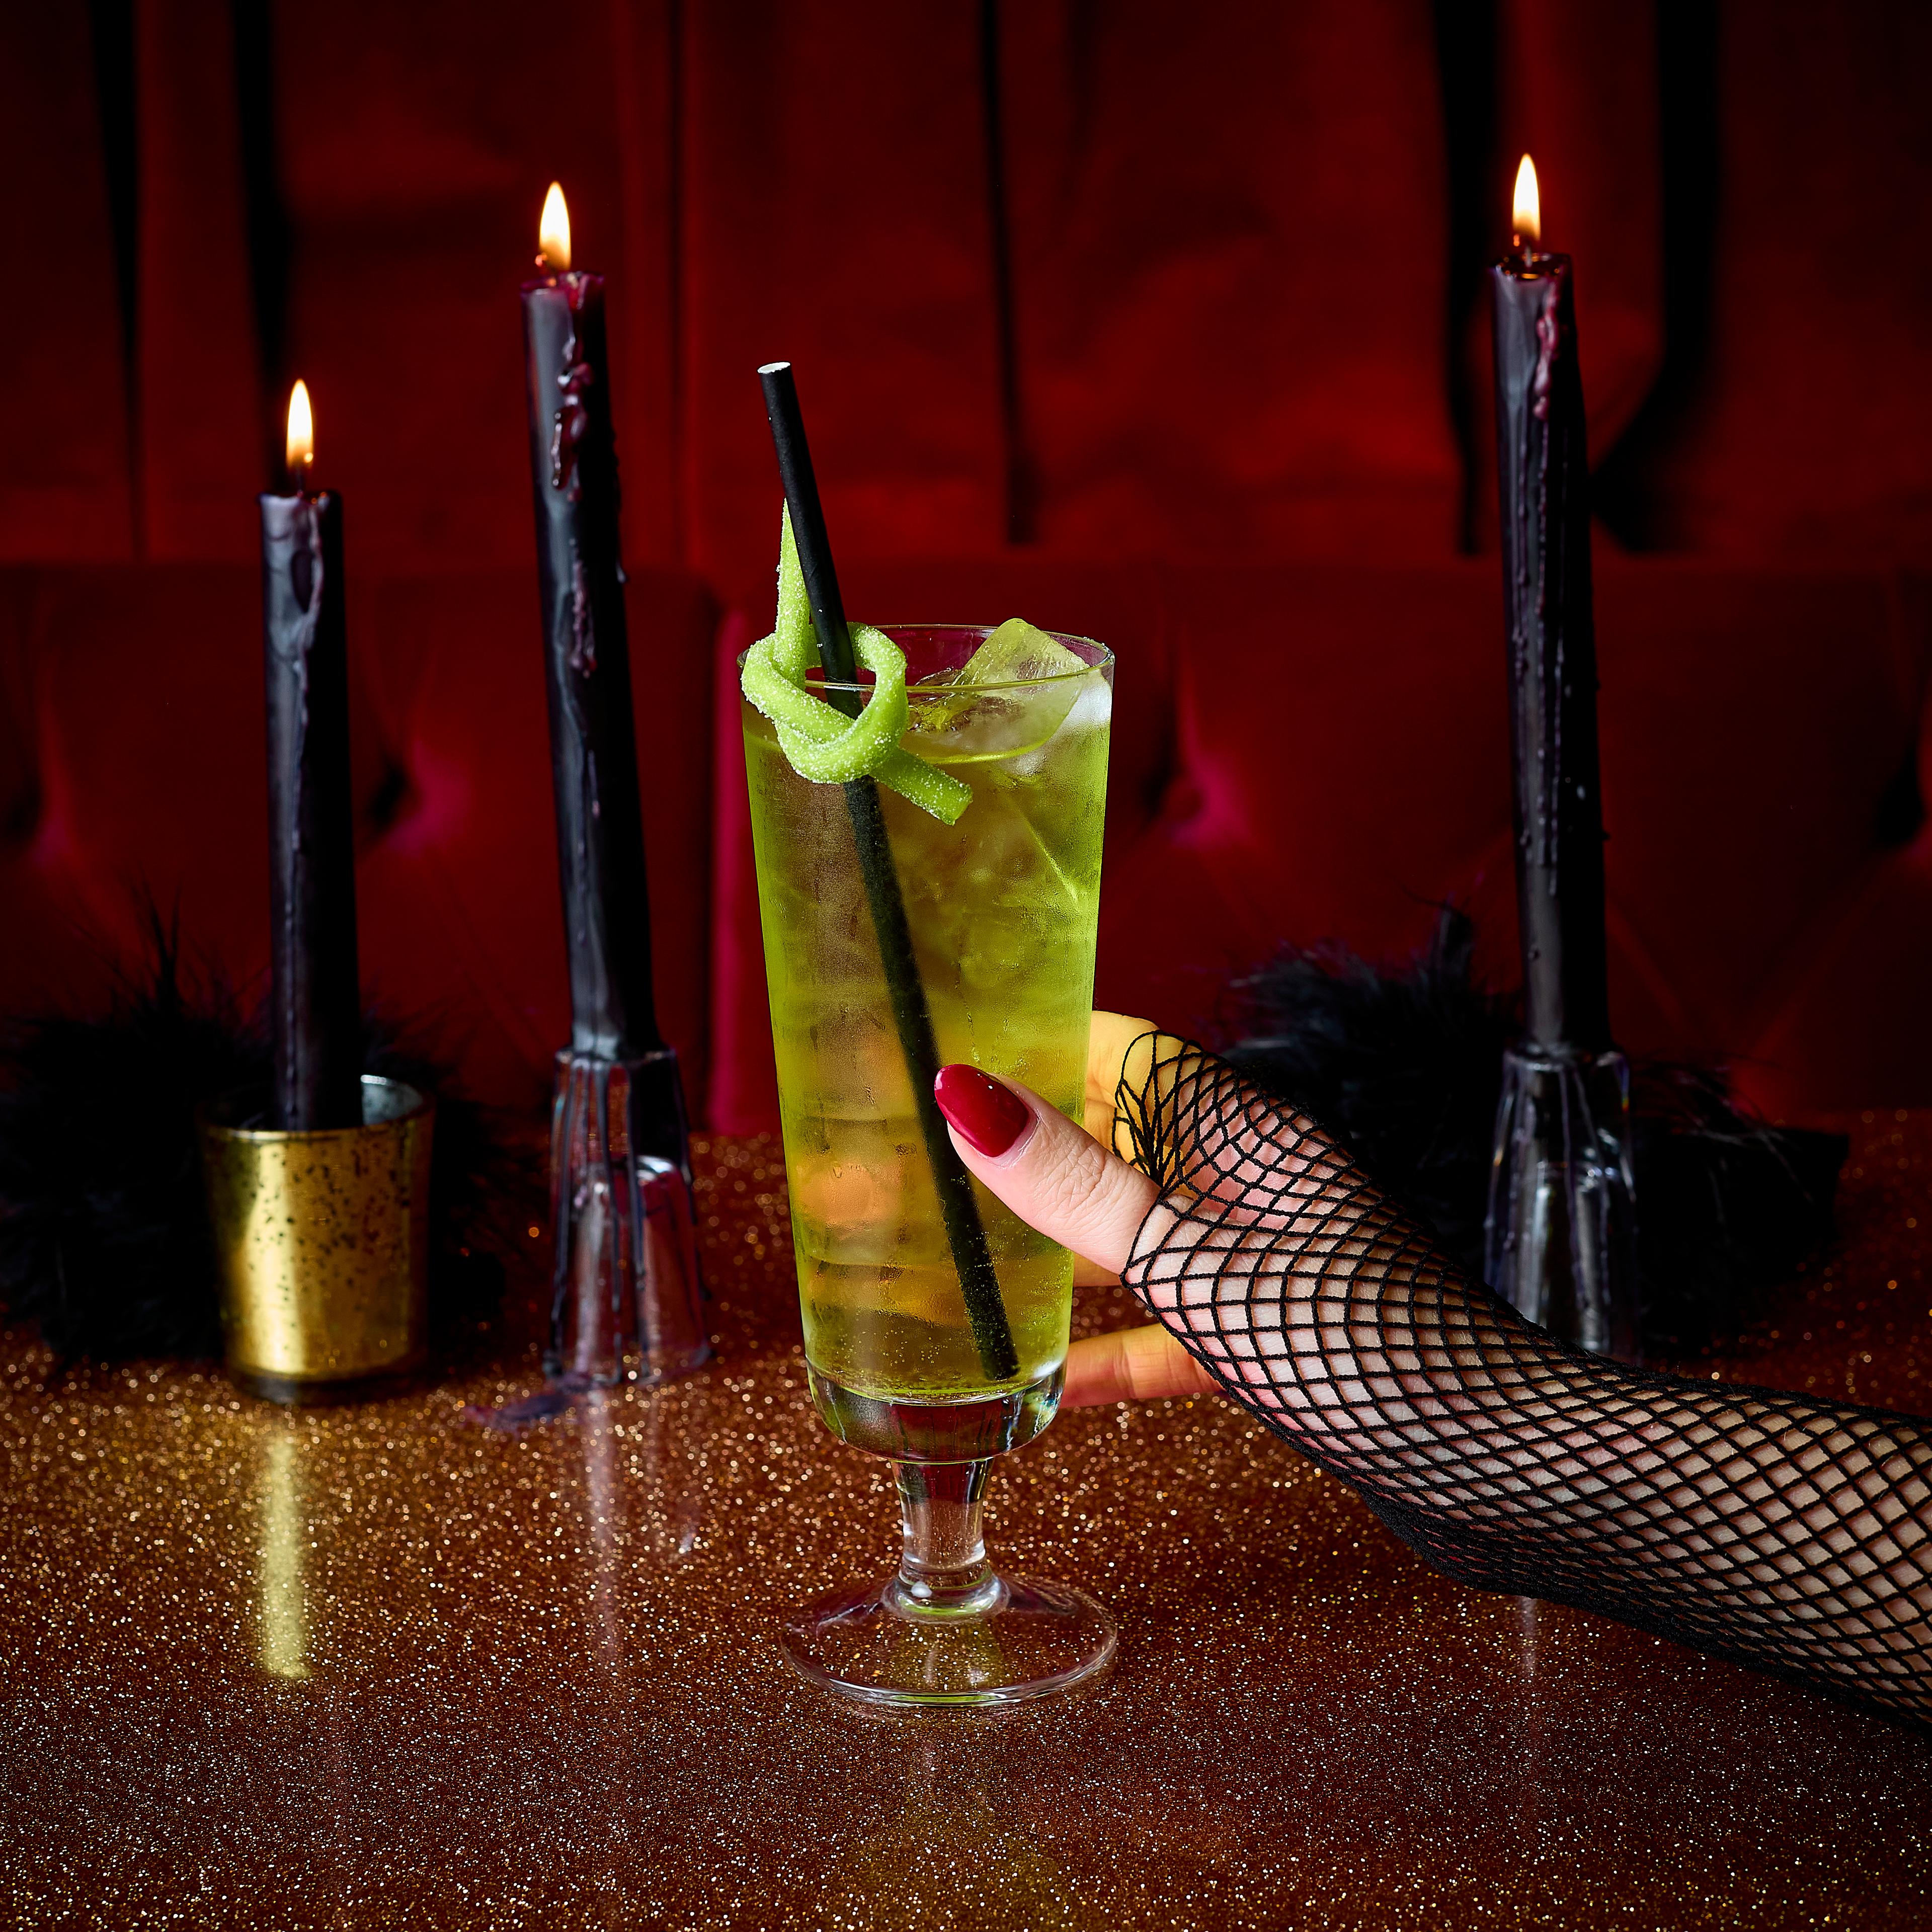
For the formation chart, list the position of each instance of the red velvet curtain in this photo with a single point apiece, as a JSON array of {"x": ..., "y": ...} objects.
[
  {"x": 1132, "y": 280},
  {"x": 1808, "y": 429},
  {"x": 65, "y": 455}
]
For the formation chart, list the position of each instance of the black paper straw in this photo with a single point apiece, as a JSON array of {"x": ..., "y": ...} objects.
[{"x": 972, "y": 1259}]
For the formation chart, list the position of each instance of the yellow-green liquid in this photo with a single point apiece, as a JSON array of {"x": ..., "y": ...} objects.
[{"x": 1003, "y": 907}]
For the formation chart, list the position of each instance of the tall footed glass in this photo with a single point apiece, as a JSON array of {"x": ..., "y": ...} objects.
[{"x": 936, "y": 1322}]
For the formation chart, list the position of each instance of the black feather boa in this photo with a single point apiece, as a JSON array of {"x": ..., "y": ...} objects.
[
  {"x": 104, "y": 1240},
  {"x": 1404, "y": 1069}
]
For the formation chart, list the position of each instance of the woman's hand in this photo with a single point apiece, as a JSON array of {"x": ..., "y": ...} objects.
[{"x": 1073, "y": 1187}]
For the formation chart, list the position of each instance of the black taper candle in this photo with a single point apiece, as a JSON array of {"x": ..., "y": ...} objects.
[
  {"x": 1543, "y": 477},
  {"x": 965, "y": 1235},
  {"x": 600, "y": 831},
  {"x": 314, "y": 1000}
]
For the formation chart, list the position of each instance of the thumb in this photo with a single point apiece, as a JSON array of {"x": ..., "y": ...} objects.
[{"x": 1054, "y": 1176}]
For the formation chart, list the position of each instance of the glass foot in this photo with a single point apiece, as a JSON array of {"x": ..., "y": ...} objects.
[{"x": 1009, "y": 1640}]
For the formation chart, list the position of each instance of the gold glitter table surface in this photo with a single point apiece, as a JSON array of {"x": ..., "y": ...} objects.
[{"x": 381, "y": 1667}]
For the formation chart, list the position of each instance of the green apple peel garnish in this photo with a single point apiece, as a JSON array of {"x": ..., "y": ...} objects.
[{"x": 820, "y": 742}]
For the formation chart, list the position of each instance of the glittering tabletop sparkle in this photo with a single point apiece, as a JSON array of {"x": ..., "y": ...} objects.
[{"x": 380, "y": 1666}]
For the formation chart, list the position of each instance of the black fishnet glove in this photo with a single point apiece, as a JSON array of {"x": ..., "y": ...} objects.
[{"x": 1788, "y": 1534}]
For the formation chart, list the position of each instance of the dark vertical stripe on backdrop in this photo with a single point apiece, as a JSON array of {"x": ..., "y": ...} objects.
[
  {"x": 1688, "y": 104},
  {"x": 266, "y": 216},
  {"x": 680, "y": 426},
  {"x": 1020, "y": 506},
  {"x": 1465, "y": 58},
  {"x": 112, "y": 22}
]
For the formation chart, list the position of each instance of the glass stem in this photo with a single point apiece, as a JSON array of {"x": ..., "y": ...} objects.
[{"x": 943, "y": 1572}]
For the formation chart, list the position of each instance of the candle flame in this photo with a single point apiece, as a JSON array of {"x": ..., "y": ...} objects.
[
  {"x": 1526, "y": 212},
  {"x": 553, "y": 232},
  {"x": 301, "y": 446}
]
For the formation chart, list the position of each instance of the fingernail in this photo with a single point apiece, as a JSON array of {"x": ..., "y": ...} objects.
[{"x": 990, "y": 1116}]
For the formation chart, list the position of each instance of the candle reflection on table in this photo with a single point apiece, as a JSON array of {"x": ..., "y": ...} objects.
[
  {"x": 676, "y": 1497},
  {"x": 281, "y": 1570},
  {"x": 1529, "y": 1618},
  {"x": 641, "y": 1501},
  {"x": 603, "y": 1500}
]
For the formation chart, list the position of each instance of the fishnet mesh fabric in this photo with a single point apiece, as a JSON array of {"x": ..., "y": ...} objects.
[{"x": 1790, "y": 1534}]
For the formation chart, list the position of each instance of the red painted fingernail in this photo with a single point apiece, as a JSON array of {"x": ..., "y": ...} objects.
[{"x": 990, "y": 1116}]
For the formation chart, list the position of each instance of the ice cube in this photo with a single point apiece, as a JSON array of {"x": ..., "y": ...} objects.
[
  {"x": 1018, "y": 653},
  {"x": 1008, "y": 697},
  {"x": 1093, "y": 709}
]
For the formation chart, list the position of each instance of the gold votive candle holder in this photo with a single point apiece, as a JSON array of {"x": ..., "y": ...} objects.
[{"x": 322, "y": 1244}]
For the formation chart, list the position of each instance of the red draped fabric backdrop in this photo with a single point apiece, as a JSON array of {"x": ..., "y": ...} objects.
[{"x": 1161, "y": 320}]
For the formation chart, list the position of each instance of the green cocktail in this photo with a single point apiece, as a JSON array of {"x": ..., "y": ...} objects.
[{"x": 1000, "y": 907}]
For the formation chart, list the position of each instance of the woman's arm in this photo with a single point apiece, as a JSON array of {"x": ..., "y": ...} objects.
[{"x": 1792, "y": 1535}]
